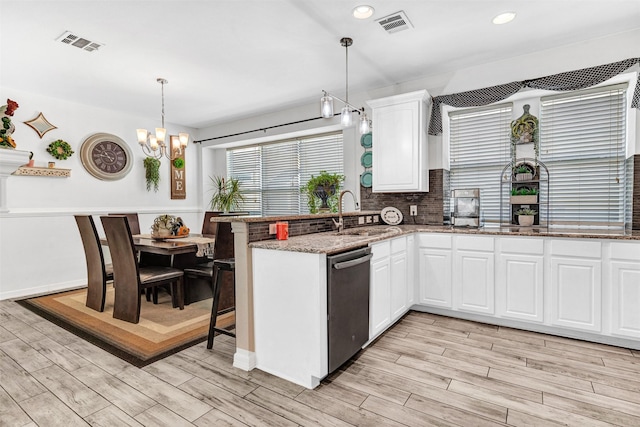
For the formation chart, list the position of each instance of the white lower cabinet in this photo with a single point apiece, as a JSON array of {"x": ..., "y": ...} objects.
[
  {"x": 520, "y": 279},
  {"x": 473, "y": 274},
  {"x": 380, "y": 290},
  {"x": 391, "y": 288},
  {"x": 399, "y": 284},
  {"x": 625, "y": 289},
  {"x": 434, "y": 269},
  {"x": 576, "y": 284}
]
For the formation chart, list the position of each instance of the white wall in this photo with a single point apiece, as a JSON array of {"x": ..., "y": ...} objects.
[{"x": 40, "y": 247}]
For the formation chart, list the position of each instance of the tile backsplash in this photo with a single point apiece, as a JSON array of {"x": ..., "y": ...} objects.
[{"x": 433, "y": 207}]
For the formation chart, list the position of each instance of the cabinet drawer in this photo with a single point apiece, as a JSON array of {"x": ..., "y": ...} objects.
[
  {"x": 475, "y": 243},
  {"x": 576, "y": 248},
  {"x": 435, "y": 240},
  {"x": 398, "y": 245},
  {"x": 518, "y": 245},
  {"x": 380, "y": 250},
  {"x": 628, "y": 250}
]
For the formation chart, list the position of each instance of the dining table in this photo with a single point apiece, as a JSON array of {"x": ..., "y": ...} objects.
[{"x": 178, "y": 252}]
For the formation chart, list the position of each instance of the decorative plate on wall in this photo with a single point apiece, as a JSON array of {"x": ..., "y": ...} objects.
[
  {"x": 366, "y": 179},
  {"x": 366, "y": 140},
  {"x": 391, "y": 215},
  {"x": 367, "y": 159}
]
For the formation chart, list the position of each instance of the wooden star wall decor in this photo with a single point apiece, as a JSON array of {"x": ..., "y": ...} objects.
[{"x": 40, "y": 124}]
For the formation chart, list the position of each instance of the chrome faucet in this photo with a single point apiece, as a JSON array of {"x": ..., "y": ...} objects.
[{"x": 340, "y": 222}]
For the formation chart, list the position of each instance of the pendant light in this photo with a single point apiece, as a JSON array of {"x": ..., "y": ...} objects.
[
  {"x": 346, "y": 113},
  {"x": 154, "y": 145}
]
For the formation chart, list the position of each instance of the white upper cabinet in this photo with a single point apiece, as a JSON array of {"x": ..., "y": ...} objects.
[{"x": 400, "y": 142}]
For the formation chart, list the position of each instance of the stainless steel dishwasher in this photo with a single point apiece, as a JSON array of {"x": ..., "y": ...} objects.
[{"x": 347, "y": 304}]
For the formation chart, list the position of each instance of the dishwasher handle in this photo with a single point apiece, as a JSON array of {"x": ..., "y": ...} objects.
[{"x": 351, "y": 263}]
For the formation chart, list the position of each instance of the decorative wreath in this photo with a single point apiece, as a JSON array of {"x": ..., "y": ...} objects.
[
  {"x": 60, "y": 149},
  {"x": 178, "y": 163}
]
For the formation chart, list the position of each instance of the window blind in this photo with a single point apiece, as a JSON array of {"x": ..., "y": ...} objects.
[
  {"x": 582, "y": 142},
  {"x": 479, "y": 150},
  {"x": 271, "y": 174}
]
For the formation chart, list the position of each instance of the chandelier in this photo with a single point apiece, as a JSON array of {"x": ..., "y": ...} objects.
[
  {"x": 326, "y": 102},
  {"x": 154, "y": 145}
]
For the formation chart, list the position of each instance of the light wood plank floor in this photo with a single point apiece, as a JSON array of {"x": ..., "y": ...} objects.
[{"x": 426, "y": 370}]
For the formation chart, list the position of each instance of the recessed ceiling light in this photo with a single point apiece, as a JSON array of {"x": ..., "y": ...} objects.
[
  {"x": 363, "y": 12},
  {"x": 503, "y": 18}
]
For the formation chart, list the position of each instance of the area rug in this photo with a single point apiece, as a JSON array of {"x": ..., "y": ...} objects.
[{"x": 162, "y": 330}]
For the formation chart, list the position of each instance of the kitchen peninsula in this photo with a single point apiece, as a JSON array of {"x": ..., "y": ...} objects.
[{"x": 574, "y": 283}]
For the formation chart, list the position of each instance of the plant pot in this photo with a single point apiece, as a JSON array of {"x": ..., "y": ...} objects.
[
  {"x": 524, "y": 200},
  {"x": 524, "y": 176},
  {"x": 323, "y": 192},
  {"x": 30, "y": 164},
  {"x": 526, "y": 220}
]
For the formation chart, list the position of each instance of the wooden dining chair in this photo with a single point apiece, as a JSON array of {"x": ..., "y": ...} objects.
[
  {"x": 223, "y": 248},
  {"x": 98, "y": 273},
  {"x": 129, "y": 278},
  {"x": 209, "y": 228},
  {"x": 134, "y": 223}
]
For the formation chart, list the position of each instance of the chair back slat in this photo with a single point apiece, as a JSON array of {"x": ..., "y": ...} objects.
[
  {"x": 134, "y": 223},
  {"x": 209, "y": 228},
  {"x": 94, "y": 258}
]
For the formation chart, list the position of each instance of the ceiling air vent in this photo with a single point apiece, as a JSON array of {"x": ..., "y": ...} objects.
[
  {"x": 74, "y": 40},
  {"x": 395, "y": 22}
]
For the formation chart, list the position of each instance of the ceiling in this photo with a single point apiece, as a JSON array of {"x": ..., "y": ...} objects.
[{"x": 230, "y": 59}]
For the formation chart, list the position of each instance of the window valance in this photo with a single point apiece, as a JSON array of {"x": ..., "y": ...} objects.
[{"x": 570, "y": 80}]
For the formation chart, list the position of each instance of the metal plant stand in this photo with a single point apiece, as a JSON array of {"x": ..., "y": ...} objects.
[{"x": 509, "y": 205}]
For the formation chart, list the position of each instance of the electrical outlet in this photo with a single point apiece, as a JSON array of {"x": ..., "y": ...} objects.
[
  {"x": 368, "y": 219},
  {"x": 376, "y": 219},
  {"x": 272, "y": 229},
  {"x": 360, "y": 220},
  {"x": 413, "y": 210}
]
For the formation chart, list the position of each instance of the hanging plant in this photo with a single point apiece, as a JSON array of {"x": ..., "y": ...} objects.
[
  {"x": 60, "y": 149},
  {"x": 152, "y": 173}
]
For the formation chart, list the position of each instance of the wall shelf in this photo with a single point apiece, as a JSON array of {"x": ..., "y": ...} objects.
[{"x": 36, "y": 171}]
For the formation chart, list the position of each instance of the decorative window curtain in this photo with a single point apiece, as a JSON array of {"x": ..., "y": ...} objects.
[{"x": 571, "y": 80}]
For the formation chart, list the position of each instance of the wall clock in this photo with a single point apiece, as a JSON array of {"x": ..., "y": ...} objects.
[{"x": 106, "y": 156}]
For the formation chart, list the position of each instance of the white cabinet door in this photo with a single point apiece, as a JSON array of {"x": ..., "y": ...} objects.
[
  {"x": 411, "y": 264},
  {"x": 380, "y": 288},
  {"x": 473, "y": 274},
  {"x": 435, "y": 277},
  {"x": 576, "y": 293},
  {"x": 519, "y": 287},
  {"x": 625, "y": 289},
  {"x": 399, "y": 143},
  {"x": 473, "y": 282},
  {"x": 398, "y": 285},
  {"x": 576, "y": 284},
  {"x": 520, "y": 278}
]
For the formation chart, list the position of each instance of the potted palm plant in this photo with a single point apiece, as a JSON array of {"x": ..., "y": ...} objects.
[
  {"x": 227, "y": 195},
  {"x": 526, "y": 216}
]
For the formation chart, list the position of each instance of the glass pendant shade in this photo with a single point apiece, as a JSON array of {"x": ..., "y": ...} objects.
[
  {"x": 142, "y": 136},
  {"x": 364, "y": 125},
  {"x": 326, "y": 107},
  {"x": 153, "y": 142},
  {"x": 160, "y": 134},
  {"x": 184, "y": 139},
  {"x": 345, "y": 119}
]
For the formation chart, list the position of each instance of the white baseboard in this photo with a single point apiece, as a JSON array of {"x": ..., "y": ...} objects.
[
  {"x": 43, "y": 290},
  {"x": 244, "y": 359}
]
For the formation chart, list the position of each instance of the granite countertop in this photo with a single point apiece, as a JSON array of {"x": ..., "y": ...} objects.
[
  {"x": 352, "y": 238},
  {"x": 256, "y": 218}
]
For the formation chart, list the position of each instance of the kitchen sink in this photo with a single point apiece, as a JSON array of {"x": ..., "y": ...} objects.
[{"x": 368, "y": 231}]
